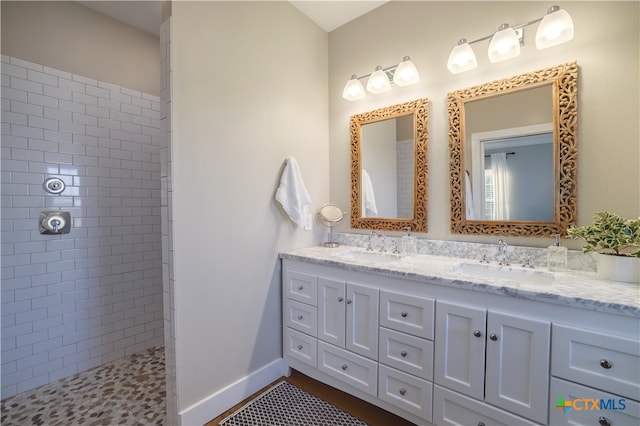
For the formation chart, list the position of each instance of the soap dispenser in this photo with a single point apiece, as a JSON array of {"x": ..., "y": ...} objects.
[
  {"x": 409, "y": 244},
  {"x": 557, "y": 256}
]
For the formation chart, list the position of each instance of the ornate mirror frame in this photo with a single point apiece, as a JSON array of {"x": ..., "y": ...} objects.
[
  {"x": 564, "y": 81},
  {"x": 419, "y": 108}
]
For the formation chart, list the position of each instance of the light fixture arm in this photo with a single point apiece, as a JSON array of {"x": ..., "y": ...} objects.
[
  {"x": 515, "y": 27},
  {"x": 390, "y": 71}
]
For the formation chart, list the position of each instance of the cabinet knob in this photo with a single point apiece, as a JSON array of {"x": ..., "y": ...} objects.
[
  {"x": 404, "y": 314},
  {"x": 299, "y": 347},
  {"x": 348, "y": 301},
  {"x": 300, "y": 287},
  {"x": 603, "y": 421},
  {"x": 493, "y": 337},
  {"x": 477, "y": 333},
  {"x": 604, "y": 363},
  {"x": 300, "y": 317},
  {"x": 480, "y": 423},
  {"x": 344, "y": 366},
  {"x": 403, "y": 354},
  {"x": 340, "y": 299},
  {"x": 402, "y": 391}
]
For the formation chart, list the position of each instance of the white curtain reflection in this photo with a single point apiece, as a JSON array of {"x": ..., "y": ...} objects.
[{"x": 499, "y": 172}]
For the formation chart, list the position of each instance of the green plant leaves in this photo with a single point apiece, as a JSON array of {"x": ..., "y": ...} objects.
[{"x": 609, "y": 234}]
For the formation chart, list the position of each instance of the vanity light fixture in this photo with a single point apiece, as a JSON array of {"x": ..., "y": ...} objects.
[
  {"x": 379, "y": 81},
  {"x": 556, "y": 27}
]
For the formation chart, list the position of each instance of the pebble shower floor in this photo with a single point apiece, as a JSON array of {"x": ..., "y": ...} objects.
[{"x": 128, "y": 391}]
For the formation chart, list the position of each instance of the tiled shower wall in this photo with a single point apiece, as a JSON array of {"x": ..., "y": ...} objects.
[{"x": 72, "y": 302}]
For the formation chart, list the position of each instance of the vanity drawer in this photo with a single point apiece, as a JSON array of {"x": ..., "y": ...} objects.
[
  {"x": 355, "y": 370},
  {"x": 301, "y": 316},
  {"x": 405, "y": 391},
  {"x": 301, "y": 347},
  {"x": 612, "y": 409},
  {"x": 406, "y": 353},
  {"x": 301, "y": 287},
  {"x": 409, "y": 314},
  {"x": 600, "y": 360},
  {"x": 452, "y": 408}
]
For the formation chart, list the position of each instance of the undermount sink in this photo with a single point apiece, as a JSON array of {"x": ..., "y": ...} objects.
[
  {"x": 370, "y": 256},
  {"x": 503, "y": 272}
]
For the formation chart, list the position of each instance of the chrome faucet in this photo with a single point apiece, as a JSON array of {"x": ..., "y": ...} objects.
[{"x": 503, "y": 259}]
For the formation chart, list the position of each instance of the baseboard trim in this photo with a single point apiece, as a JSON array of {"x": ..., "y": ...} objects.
[{"x": 217, "y": 403}]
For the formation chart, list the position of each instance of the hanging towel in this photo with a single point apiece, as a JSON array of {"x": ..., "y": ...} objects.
[
  {"x": 471, "y": 211},
  {"x": 369, "y": 207},
  {"x": 292, "y": 193}
]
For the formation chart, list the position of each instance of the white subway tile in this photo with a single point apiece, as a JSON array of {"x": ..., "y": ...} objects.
[
  {"x": 41, "y": 77},
  {"x": 29, "y": 109},
  {"x": 43, "y": 123},
  {"x": 120, "y": 97},
  {"x": 57, "y": 92},
  {"x": 85, "y": 99},
  {"x": 26, "y": 85},
  {"x": 14, "y": 94},
  {"x": 14, "y": 118},
  {"x": 14, "y": 71},
  {"x": 58, "y": 136},
  {"x": 86, "y": 119},
  {"x": 86, "y": 80},
  {"x": 96, "y": 91},
  {"x": 26, "y": 64},
  {"x": 48, "y": 101},
  {"x": 57, "y": 72},
  {"x": 26, "y": 132},
  {"x": 57, "y": 114}
]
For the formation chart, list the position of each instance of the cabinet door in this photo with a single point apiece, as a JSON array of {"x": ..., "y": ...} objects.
[
  {"x": 459, "y": 348},
  {"x": 517, "y": 371},
  {"x": 331, "y": 311},
  {"x": 362, "y": 320}
]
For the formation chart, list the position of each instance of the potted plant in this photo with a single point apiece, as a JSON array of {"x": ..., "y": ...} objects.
[{"x": 616, "y": 242}]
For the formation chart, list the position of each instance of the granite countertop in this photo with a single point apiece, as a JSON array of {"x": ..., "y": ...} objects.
[{"x": 577, "y": 289}]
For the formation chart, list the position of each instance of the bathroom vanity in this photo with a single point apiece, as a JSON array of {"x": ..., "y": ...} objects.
[{"x": 448, "y": 341}]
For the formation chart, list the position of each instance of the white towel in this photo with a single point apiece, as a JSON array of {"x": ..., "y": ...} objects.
[
  {"x": 471, "y": 211},
  {"x": 292, "y": 193},
  {"x": 369, "y": 207}
]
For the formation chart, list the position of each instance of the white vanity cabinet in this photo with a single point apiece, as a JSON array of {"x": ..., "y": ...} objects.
[
  {"x": 438, "y": 351},
  {"x": 495, "y": 357}
]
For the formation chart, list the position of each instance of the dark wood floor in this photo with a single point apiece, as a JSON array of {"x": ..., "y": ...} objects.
[{"x": 366, "y": 412}]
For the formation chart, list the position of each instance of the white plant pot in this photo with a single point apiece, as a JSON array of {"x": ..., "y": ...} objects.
[{"x": 618, "y": 268}]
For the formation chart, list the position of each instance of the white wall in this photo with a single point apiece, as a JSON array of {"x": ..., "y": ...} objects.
[
  {"x": 606, "y": 48},
  {"x": 249, "y": 88}
]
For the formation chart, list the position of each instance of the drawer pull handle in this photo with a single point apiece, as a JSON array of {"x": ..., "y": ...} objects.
[
  {"x": 403, "y": 354},
  {"x": 403, "y": 391},
  {"x": 344, "y": 366},
  {"x": 404, "y": 314},
  {"x": 480, "y": 423},
  {"x": 299, "y": 347},
  {"x": 605, "y": 364},
  {"x": 300, "y": 317},
  {"x": 340, "y": 299},
  {"x": 300, "y": 287},
  {"x": 603, "y": 421},
  {"x": 348, "y": 301},
  {"x": 493, "y": 336},
  {"x": 477, "y": 333}
]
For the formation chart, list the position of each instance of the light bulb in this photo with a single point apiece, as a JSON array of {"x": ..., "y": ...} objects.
[
  {"x": 461, "y": 58},
  {"x": 504, "y": 44},
  {"x": 378, "y": 81},
  {"x": 354, "y": 89},
  {"x": 406, "y": 73},
  {"x": 556, "y": 28}
]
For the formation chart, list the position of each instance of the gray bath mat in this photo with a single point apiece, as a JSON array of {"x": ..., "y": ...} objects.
[{"x": 286, "y": 405}]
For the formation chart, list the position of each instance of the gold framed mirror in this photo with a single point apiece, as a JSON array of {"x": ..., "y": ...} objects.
[
  {"x": 529, "y": 120},
  {"x": 389, "y": 167}
]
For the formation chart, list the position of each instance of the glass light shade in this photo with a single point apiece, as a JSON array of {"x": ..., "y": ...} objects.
[
  {"x": 504, "y": 44},
  {"x": 378, "y": 81},
  {"x": 406, "y": 73},
  {"x": 354, "y": 89},
  {"x": 462, "y": 58},
  {"x": 556, "y": 28}
]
